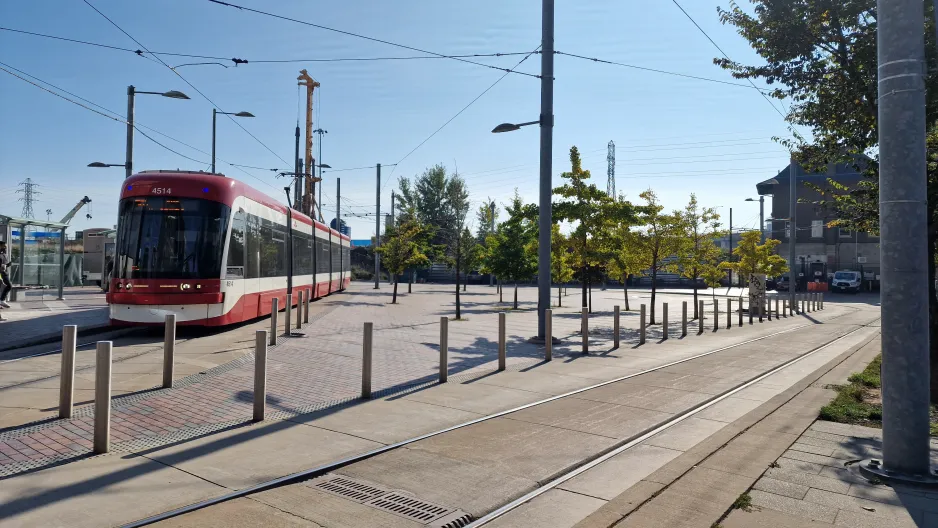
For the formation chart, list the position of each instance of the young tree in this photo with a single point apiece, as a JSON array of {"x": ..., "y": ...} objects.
[
  {"x": 508, "y": 252},
  {"x": 700, "y": 225},
  {"x": 486, "y": 218},
  {"x": 626, "y": 256},
  {"x": 403, "y": 248},
  {"x": 587, "y": 207},
  {"x": 470, "y": 255},
  {"x": 561, "y": 272},
  {"x": 753, "y": 258},
  {"x": 659, "y": 241}
]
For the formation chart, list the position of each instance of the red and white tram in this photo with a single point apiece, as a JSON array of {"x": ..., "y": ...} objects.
[{"x": 215, "y": 251}]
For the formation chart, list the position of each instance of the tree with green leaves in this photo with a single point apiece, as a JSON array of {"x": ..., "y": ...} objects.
[
  {"x": 822, "y": 55},
  {"x": 700, "y": 228},
  {"x": 403, "y": 248},
  {"x": 625, "y": 256},
  {"x": 470, "y": 255},
  {"x": 508, "y": 251},
  {"x": 659, "y": 240},
  {"x": 753, "y": 258},
  {"x": 486, "y": 218},
  {"x": 587, "y": 207},
  {"x": 561, "y": 272}
]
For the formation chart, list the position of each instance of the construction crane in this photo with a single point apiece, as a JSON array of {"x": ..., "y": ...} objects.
[
  {"x": 68, "y": 218},
  {"x": 309, "y": 195}
]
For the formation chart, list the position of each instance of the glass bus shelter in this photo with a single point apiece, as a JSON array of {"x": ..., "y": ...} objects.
[{"x": 36, "y": 249}]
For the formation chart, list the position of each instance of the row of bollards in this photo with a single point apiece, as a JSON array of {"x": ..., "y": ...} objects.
[{"x": 104, "y": 360}]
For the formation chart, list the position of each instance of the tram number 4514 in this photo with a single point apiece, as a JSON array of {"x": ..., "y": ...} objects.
[{"x": 161, "y": 190}]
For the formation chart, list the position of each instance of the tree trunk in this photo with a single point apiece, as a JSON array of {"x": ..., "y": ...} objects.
[
  {"x": 695, "y": 293},
  {"x": 932, "y": 315},
  {"x": 394, "y": 298},
  {"x": 583, "y": 283},
  {"x": 501, "y": 295},
  {"x": 654, "y": 276},
  {"x": 410, "y": 281},
  {"x": 457, "y": 288},
  {"x": 559, "y": 299},
  {"x": 516, "y": 296},
  {"x": 589, "y": 279},
  {"x": 625, "y": 289}
]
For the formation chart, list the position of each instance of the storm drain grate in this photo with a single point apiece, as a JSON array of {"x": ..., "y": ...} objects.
[
  {"x": 409, "y": 507},
  {"x": 398, "y": 503},
  {"x": 349, "y": 488}
]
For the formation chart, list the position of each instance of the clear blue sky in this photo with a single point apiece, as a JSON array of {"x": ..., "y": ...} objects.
[{"x": 675, "y": 135}]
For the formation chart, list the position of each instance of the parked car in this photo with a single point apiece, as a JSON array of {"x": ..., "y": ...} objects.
[
  {"x": 846, "y": 281},
  {"x": 781, "y": 284}
]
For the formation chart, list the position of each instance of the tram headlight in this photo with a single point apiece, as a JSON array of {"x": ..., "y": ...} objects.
[
  {"x": 198, "y": 286},
  {"x": 185, "y": 286},
  {"x": 118, "y": 285},
  {"x": 129, "y": 286}
]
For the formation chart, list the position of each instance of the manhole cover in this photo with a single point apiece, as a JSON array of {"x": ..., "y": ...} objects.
[{"x": 348, "y": 488}]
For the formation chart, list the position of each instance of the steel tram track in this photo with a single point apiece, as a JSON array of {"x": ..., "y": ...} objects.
[{"x": 565, "y": 475}]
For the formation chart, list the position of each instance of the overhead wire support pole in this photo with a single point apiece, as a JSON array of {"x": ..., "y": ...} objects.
[
  {"x": 378, "y": 228},
  {"x": 546, "y": 182},
  {"x": 903, "y": 244}
]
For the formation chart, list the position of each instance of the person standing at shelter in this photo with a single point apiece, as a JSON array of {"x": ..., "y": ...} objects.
[{"x": 5, "y": 284}]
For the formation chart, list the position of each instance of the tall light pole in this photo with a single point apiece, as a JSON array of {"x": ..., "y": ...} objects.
[
  {"x": 792, "y": 229},
  {"x": 320, "y": 131},
  {"x": 903, "y": 243},
  {"x": 131, "y": 93},
  {"x": 761, "y": 217},
  {"x": 215, "y": 113},
  {"x": 545, "y": 190}
]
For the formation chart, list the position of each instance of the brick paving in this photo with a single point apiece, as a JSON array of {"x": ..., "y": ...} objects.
[
  {"x": 323, "y": 368},
  {"x": 38, "y": 315},
  {"x": 304, "y": 374}
]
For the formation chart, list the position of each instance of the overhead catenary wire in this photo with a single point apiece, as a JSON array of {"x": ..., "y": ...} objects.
[
  {"x": 463, "y": 109},
  {"x": 373, "y": 39},
  {"x": 170, "y": 68},
  {"x": 655, "y": 70},
  {"x": 114, "y": 116}
]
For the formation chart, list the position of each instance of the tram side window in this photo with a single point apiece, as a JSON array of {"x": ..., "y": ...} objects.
[
  {"x": 254, "y": 247},
  {"x": 273, "y": 249},
  {"x": 236, "y": 244},
  {"x": 322, "y": 257},
  {"x": 347, "y": 259},
  {"x": 302, "y": 254},
  {"x": 336, "y": 257}
]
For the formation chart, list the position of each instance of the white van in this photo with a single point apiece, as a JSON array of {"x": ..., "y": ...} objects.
[{"x": 846, "y": 281}]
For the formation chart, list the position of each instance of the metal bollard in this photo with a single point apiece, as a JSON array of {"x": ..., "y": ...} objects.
[
  {"x": 684, "y": 319},
  {"x": 729, "y": 314},
  {"x": 615, "y": 326},
  {"x": 102, "y": 398},
  {"x": 664, "y": 321},
  {"x": 750, "y": 311},
  {"x": 260, "y": 375},
  {"x": 716, "y": 315},
  {"x": 785, "y": 308},
  {"x": 740, "y": 312},
  {"x": 804, "y": 304},
  {"x": 548, "y": 335},
  {"x": 641, "y": 325},
  {"x": 274, "y": 308},
  {"x": 366, "y": 361},
  {"x": 776, "y": 307},
  {"x": 768, "y": 309},
  {"x": 761, "y": 307},
  {"x": 306, "y": 306},
  {"x": 700, "y": 318},
  {"x": 287, "y": 313},
  {"x": 444, "y": 348},
  {"x": 299, "y": 310},
  {"x": 502, "y": 352},
  {"x": 585, "y": 330},
  {"x": 169, "y": 350},
  {"x": 67, "y": 383}
]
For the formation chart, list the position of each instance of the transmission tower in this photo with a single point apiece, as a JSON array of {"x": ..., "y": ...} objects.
[
  {"x": 29, "y": 193},
  {"x": 611, "y": 171}
]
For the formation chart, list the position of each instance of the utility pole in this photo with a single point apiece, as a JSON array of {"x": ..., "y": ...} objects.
[
  {"x": 378, "y": 228},
  {"x": 338, "y": 224},
  {"x": 761, "y": 219},
  {"x": 546, "y": 181},
  {"x": 731, "y": 245},
  {"x": 792, "y": 228},
  {"x": 392, "y": 209},
  {"x": 611, "y": 169},
  {"x": 48, "y": 215},
  {"x": 298, "y": 170},
  {"x": 492, "y": 232},
  {"x": 903, "y": 243},
  {"x": 129, "y": 155}
]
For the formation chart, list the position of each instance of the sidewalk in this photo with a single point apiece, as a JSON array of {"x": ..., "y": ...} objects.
[
  {"x": 322, "y": 373},
  {"x": 38, "y": 317}
]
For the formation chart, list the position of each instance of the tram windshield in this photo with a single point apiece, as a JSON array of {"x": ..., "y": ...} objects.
[{"x": 170, "y": 238}]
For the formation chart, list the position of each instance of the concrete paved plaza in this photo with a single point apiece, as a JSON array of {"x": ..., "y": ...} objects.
[{"x": 200, "y": 437}]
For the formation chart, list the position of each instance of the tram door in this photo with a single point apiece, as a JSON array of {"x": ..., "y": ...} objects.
[{"x": 236, "y": 271}]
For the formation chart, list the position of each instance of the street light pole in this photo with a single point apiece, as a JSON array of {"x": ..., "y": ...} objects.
[
  {"x": 129, "y": 160},
  {"x": 731, "y": 246},
  {"x": 903, "y": 243},
  {"x": 546, "y": 190},
  {"x": 761, "y": 219},
  {"x": 792, "y": 228},
  {"x": 378, "y": 229},
  {"x": 214, "y": 118}
]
